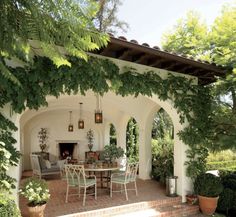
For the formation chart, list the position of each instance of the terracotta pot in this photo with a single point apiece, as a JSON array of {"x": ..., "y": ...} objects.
[
  {"x": 208, "y": 204},
  {"x": 37, "y": 211},
  {"x": 191, "y": 199}
]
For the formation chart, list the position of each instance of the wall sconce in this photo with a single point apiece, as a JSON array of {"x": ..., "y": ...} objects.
[
  {"x": 70, "y": 127},
  {"x": 81, "y": 121},
  {"x": 98, "y": 112}
]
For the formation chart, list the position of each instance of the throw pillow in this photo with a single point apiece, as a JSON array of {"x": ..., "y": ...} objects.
[{"x": 48, "y": 164}]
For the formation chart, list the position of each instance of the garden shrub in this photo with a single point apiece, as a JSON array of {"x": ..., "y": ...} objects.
[
  {"x": 8, "y": 206},
  {"x": 162, "y": 158},
  {"x": 216, "y": 165},
  {"x": 227, "y": 200},
  {"x": 226, "y": 155}
]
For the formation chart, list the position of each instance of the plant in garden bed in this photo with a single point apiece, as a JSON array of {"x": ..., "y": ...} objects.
[
  {"x": 8, "y": 206},
  {"x": 227, "y": 200},
  {"x": 163, "y": 159}
]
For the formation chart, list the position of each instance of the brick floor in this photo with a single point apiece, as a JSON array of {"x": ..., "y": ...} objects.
[{"x": 151, "y": 196}]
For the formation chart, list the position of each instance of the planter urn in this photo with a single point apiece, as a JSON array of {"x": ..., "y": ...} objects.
[
  {"x": 37, "y": 211},
  {"x": 208, "y": 204}
]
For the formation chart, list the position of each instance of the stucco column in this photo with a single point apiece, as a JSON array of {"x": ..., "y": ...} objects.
[
  {"x": 106, "y": 135},
  {"x": 145, "y": 154},
  {"x": 184, "y": 184},
  {"x": 121, "y": 137}
]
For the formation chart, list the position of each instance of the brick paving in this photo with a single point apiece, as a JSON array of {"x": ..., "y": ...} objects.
[{"x": 151, "y": 198}]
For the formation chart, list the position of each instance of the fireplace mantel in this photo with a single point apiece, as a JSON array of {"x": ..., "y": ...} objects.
[{"x": 68, "y": 141}]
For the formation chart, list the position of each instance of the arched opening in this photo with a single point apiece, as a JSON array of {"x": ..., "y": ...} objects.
[
  {"x": 112, "y": 135},
  {"x": 132, "y": 138},
  {"x": 162, "y": 146}
]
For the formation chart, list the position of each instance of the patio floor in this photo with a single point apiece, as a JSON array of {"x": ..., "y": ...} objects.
[{"x": 151, "y": 193}]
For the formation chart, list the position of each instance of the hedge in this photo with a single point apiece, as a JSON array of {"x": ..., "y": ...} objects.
[{"x": 222, "y": 165}]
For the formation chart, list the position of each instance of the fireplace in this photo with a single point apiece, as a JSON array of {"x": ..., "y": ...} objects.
[{"x": 66, "y": 149}]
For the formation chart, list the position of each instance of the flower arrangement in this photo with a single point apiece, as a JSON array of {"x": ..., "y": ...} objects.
[
  {"x": 90, "y": 137},
  {"x": 43, "y": 136},
  {"x": 36, "y": 191}
]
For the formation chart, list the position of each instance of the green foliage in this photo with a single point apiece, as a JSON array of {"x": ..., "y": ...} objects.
[
  {"x": 8, "y": 207},
  {"x": 162, "y": 158},
  {"x": 35, "y": 191},
  {"x": 226, "y": 155},
  {"x": 112, "y": 152},
  {"x": 106, "y": 19},
  {"x": 227, "y": 200},
  {"x": 217, "y": 45},
  {"x": 132, "y": 134},
  {"x": 113, "y": 139},
  {"x": 188, "y": 37},
  {"x": 208, "y": 185},
  {"x": 218, "y": 165},
  {"x": 162, "y": 125},
  {"x": 8, "y": 157},
  {"x": 52, "y": 23}
]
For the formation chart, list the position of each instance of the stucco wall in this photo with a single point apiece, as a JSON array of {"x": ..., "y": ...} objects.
[{"x": 56, "y": 123}]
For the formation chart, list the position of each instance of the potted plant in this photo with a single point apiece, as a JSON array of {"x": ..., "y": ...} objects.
[
  {"x": 37, "y": 192},
  {"x": 208, "y": 188},
  {"x": 90, "y": 137},
  {"x": 112, "y": 152},
  {"x": 43, "y": 136}
]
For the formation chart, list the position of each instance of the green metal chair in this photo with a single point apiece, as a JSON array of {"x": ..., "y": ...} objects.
[
  {"x": 124, "y": 178},
  {"x": 76, "y": 178}
]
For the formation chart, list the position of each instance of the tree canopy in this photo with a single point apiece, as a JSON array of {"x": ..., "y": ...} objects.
[
  {"x": 106, "y": 19},
  {"x": 53, "y": 23},
  {"x": 216, "y": 44}
]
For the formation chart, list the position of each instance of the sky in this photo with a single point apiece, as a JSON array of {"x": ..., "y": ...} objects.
[{"x": 149, "y": 19}]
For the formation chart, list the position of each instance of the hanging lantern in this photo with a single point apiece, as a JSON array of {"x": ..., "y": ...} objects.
[
  {"x": 70, "y": 127},
  {"x": 98, "y": 111},
  {"x": 81, "y": 121}
]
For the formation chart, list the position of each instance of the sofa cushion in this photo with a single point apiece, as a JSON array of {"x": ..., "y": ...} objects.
[
  {"x": 48, "y": 164},
  {"x": 52, "y": 169}
]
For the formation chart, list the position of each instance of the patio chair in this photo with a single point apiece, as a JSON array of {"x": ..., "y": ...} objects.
[
  {"x": 75, "y": 177},
  {"x": 40, "y": 168},
  {"x": 124, "y": 178}
]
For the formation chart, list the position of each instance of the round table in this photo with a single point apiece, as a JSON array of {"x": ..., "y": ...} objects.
[{"x": 101, "y": 170}]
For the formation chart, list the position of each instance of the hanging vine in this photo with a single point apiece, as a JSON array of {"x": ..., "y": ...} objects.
[{"x": 43, "y": 78}]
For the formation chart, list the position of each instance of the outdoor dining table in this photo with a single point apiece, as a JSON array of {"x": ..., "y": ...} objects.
[{"x": 101, "y": 170}]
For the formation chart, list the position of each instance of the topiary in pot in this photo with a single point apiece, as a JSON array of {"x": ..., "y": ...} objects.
[
  {"x": 208, "y": 188},
  {"x": 112, "y": 152}
]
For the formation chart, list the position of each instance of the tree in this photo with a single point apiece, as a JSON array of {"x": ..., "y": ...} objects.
[
  {"x": 52, "y": 23},
  {"x": 113, "y": 139},
  {"x": 218, "y": 45},
  {"x": 188, "y": 37},
  {"x": 132, "y": 140},
  {"x": 162, "y": 125},
  {"x": 106, "y": 18}
]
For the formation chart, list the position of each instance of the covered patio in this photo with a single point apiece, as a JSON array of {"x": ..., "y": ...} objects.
[{"x": 117, "y": 110}]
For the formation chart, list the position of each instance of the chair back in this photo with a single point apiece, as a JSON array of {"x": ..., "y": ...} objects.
[
  {"x": 80, "y": 174},
  {"x": 35, "y": 164},
  {"x": 131, "y": 171},
  {"x": 75, "y": 174}
]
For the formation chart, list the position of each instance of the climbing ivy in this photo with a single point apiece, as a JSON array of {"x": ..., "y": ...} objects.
[{"x": 43, "y": 78}]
